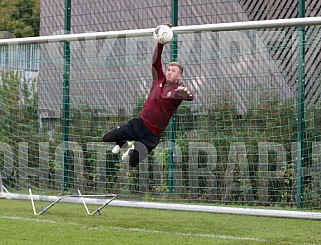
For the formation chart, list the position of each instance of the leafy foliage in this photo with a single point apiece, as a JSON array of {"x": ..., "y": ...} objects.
[{"x": 20, "y": 18}]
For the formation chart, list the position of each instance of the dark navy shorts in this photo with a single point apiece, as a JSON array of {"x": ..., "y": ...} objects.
[{"x": 134, "y": 130}]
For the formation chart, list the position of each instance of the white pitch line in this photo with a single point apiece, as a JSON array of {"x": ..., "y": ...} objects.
[
  {"x": 135, "y": 229},
  {"x": 36, "y": 220},
  {"x": 179, "y": 233}
]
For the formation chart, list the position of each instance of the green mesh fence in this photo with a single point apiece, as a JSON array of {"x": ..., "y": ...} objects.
[{"x": 237, "y": 142}]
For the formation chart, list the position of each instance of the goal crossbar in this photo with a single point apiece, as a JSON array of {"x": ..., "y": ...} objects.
[{"x": 231, "y": 26}]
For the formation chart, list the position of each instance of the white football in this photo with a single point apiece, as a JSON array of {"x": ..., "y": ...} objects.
[{"x": 163, "y": 34}]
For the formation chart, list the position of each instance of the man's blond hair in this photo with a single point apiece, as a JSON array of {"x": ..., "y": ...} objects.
[{"x": 181, "y": 69}]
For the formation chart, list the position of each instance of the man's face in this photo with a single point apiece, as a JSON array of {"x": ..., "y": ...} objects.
[{"x": 173, "y": 74}]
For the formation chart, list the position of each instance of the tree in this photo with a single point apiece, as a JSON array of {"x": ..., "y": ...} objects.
[{"x": 20, "y": 18}]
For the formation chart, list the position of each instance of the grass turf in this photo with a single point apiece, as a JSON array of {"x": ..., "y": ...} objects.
[{"x": 69, "y": 224}]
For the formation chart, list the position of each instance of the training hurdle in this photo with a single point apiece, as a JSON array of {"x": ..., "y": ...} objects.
[
  {"x": 84, "y": 199},
  {"x": 73, "y": 199}
]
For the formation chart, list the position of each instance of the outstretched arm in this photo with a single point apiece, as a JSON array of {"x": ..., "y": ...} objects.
[
  {"x": 180, "y": 93},
  {"x": 183, "y": 93},
  {"x": 157, "y": 69}
]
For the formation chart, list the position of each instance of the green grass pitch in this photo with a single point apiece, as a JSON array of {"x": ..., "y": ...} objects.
[{"x": 69, "y": 224}]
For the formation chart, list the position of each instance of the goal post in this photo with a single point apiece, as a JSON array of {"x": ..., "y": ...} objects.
[{"x": 236, "y": 143}]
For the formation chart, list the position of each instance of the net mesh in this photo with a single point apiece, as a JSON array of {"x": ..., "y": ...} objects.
[{"x": 235, "y": 143}]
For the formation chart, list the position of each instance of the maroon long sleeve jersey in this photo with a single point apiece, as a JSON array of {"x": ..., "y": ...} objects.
[{"x": 162, "y": 100}]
